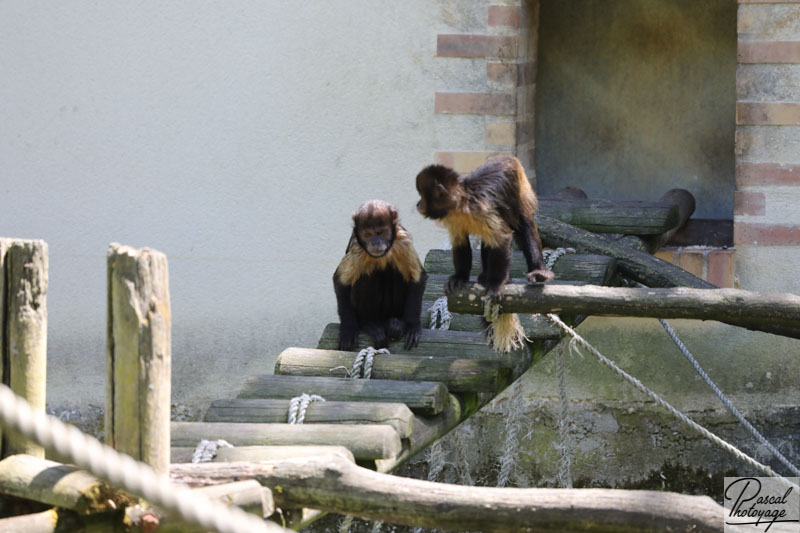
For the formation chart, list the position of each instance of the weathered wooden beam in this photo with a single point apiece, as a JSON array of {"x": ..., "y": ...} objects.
[
  {"x": 459, "y": 375},
  {"x": 248, "y": 494},
  {"x": 433, "y": 343},
  {"x": 50, "y": 521},
  {"x": 422, "y": 396},
  {"x": 752, "y": 310},
  {"x": 138, "y": 355},
  {"x": 24, "y": 351},
  {"x": 64, "y": 486},
  {"x": 606, "y": 216},
  {"x": 587, "y": 268},
  {"x": 685, "y": 202},
  {"x": 335, "y": 485},
  {"x": 536, "y": 327},
  {"x": 366, "y": 441},
  {"x": 396, "y": 415},
  {"x": 261, "y": 453}
]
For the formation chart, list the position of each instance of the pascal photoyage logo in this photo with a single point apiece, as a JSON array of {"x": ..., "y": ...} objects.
[{"x": 762, "y": 504}]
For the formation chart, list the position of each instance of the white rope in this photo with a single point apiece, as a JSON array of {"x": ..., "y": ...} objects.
[
  {"x": 121, "y": 470},
  {"x": 724, "y": 399},
  {"x": 655, "y": 397},
  {"x": 299, "y": 405},
  {"x": 551, "y": 256},
  {"x": 206, "y": 450},
  {"x": 440, "y": 314},
  {"x": 564, "y": 447},
  {"x": 362, "y": 366},
  {"x": 344, "y": 525},
  {"x": 514, "y": 418}
]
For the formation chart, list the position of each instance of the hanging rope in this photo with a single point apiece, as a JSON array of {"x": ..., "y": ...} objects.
[
  {"x": 362, "y": 366},
  {"x": 299, "y": 405},
  {"x": 656, "y": 398},
  {"x": 551, "y": 256},
  {"x": 440, "y": 315},
  {"x": 207, "y": 450},
  {"x": 122, "y": 471},
  {"x": 564, "y": 447},
  {"x": 725, "y": 401}
]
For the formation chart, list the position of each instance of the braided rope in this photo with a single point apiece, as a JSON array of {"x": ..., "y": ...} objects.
[
  {"x": 440, "y": 314},
  {"x": 564, "y": 447},
  {"x": 724, "y": 399},
  {"x": 551, "y": 256},
  {"x": 656, "y": 398},
  {"x": 123, "y": 471},
  {"x": 362, "y": 366},
  {"x": 511, "y": 442},
  {"x": 299, "y": 405},
  {"x": 206, "y": 450}
]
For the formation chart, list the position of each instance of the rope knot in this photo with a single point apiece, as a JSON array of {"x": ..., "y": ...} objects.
[
  {"x": 299, "y": 405},
  {"x": 362, "y": 366}
]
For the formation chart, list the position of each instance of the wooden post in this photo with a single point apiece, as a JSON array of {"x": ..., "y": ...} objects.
[
  {"x": 138, "y": 355},
  {"x": 24, "y": 329}
]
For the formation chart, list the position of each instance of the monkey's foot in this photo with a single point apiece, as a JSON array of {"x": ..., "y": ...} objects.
[
  {"x": 495, "y": 296},
  {"x": 396, "y": 328},
  {"x": 348, "y": 339},
  {"x": 454, "y": 283},
  {"x": 413, "y": 333},
  {"x": 540, "y": 275}
]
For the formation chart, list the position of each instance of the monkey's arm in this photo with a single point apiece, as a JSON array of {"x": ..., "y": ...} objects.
[
  {"x": 498, "y": 263},
  {"x": 348, "y": 322},
  {"x": 413, "y": 309},
  {"x": 530, "y": 243},
  {"x": 462, "y": 263}
]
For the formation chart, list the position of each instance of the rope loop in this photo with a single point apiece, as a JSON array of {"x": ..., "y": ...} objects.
[
  {"x": 299, "y": 405},
  {"x": 206, "y": 450},
  {"x": 362, "y": 366},
  {"x": 551, "y": 256},
  {"x": 440, "y": 314}
]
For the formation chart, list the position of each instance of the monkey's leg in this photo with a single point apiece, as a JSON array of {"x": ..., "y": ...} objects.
[
  {"x": 527, "y": 236},
  {"x": 498, "y": 263},
  {"x": 412, "y": 311},
  {"x": 348, "y": 321},
  {"x": 484, "y": 255},
  {"x": 377, "y": 330},
  {"x": 462, "y": 263}
]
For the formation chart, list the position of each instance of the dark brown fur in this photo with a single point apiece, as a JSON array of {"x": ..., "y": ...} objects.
[
  {"x": 497, "y": 203},
  {"x": 380, "y": 281}
]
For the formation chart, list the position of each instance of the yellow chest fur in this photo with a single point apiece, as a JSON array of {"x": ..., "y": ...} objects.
[{"x": 462, "y": 225}]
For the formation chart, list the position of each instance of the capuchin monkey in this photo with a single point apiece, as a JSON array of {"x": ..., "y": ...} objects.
[
  {"x": 380, "y": 281},
  {"x": 496, "y": 202}
]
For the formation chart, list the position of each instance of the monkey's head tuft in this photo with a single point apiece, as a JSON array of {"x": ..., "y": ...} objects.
[
  {"x": 438, "y": 188},
  {"x": 375, "y": 227}
]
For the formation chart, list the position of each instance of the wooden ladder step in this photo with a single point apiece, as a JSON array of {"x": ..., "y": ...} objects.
[
  {"x": 365, "y": 441},
  {"x": 396, "y": 415},
  {"x": 420, "y": 396},
  {"x": 458, "y": 374},
  {"x": 183, "y": 454}
]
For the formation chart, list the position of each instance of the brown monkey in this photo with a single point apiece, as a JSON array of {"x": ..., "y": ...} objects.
[
  {"x": 380, "y": 281},
  {"x": 496, "y": 202}
]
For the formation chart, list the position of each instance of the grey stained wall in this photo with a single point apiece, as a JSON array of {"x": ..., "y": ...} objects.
[{"x": 635, "y": 97}]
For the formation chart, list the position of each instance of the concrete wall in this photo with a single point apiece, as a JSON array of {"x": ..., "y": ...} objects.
[{"x": 236, "y": 138}]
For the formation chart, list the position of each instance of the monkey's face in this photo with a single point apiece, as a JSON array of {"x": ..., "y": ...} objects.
[
  {"x": 375, "y": 226},
  {"x": 376, "y": 240},
  {"x": 436, "y": 186}
]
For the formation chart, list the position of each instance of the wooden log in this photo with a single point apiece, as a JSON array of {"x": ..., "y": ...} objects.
[
  {"x": 427, "y": 430},
  {"x": 652, "y": 243},
  {"x": 261, "y": 453},
  {"x": 459, "y": 375},
  {"x": 752, "y": 310},
  {"x": 50, "y": 521},
  {"x": 536, "y": 327},
  {"x": 138, "y": 355},
  {"x": 571, "y": 192},
  {"x": 334, "y": 485},
  {"x": 64, "y": 486},
  {"x": 588, "y": 268},
  {"x": 420, "y": 396},
  {"x": 606, "y": 216},
  {"x": 396, "y": 415},
  {"x": 367, "y": 441},
  {"x": 249, "y": 495},
  {"x": 433, "y": 343},
  {"x": 25, "y": 342}
]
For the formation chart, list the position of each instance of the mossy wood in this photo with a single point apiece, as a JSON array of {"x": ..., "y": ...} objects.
[
  {"x": 420, "y": 396},
  {"x": 396, "y": 415},
  {"x": 138, "y": 355},
  {"x": 433, "y": 344},
  {"x": 756, "y": 311},
  {"x": 459, "y": 375},
  {"x": 24, "y": 325},
  {"x": 64, "y": 486},
  {"x": 335, "y": 485},
  {"x": 365, "y": 441},
  {"x": 261, "y": 453},
  {"x": 606, "y": 216},
  {"x": 588, "y": 268}
]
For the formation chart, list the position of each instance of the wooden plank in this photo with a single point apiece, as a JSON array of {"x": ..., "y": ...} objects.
[
  {"x": 25, "y": 352},
  {"x": 607, "y": 216},
  {"x": 588, "y": 268},
  {"x": 365, "y": 441},
  {"x": 138, "y": 355},
  {"x": 65, "y": 486},
  {"x": 536, "y": 327},
  {"x": 248, "y": 495},
  {"x": 420, "y": 396},
  {"x": 433, "y": 343},
  {"x": 396, "y": 415},
  {"x": 459, "y": 375},
  {"x": 183, "y": 454}
]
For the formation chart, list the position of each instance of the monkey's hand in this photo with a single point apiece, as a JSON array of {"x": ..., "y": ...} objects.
[
  {"x": 348, "y": 338},
  {"x": 540, "y": 275},
  {"x": 454, "y": 283},
  {"x": 396, "y": 328},
  {"x": 494, "y": 295},
  {"x": 413, "y": 332}
]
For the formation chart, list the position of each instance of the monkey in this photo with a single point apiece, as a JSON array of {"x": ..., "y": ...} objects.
[
  {"x": 496, "y": 202},
  {"x": 380, "y": 281}
]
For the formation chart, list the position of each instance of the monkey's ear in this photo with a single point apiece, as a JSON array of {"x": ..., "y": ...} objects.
[
  {"x": 441, "y": 188},
  {"x": 393, "y": 212}
]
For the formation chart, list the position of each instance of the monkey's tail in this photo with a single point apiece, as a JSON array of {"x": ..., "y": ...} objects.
[{"x": 505, "y": 333}]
